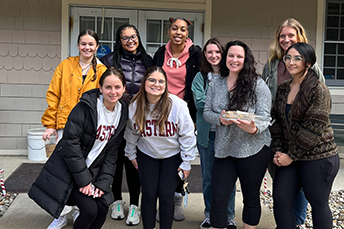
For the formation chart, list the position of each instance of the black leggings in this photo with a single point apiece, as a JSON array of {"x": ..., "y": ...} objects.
[
  {"x": 316, "y": 178},
  {"x": 93, "y": 211},
  {"x": 133, "y": 180},
  {"x": 250, "y": 171},
  {"x": 159, "y": 178}
]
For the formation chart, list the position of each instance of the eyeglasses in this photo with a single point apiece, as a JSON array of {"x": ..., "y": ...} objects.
[
  {"x": 126, "y": 39},
  {"x": 154, "y": 81},
  {"x": 288, "y": 58}
]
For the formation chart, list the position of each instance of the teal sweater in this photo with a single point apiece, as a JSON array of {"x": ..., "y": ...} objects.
[{"x": 199, "y": 94}]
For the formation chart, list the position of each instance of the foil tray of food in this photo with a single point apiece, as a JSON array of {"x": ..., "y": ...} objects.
[{"x": 234, "y": 115}]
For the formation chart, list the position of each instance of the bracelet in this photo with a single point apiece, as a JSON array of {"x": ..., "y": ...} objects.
[{"x": 254, "y": 131}]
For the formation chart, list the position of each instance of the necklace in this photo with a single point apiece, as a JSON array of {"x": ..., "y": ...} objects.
[
  {"x": 84, "y": 69},
  {"x": 106, "y": 112}
]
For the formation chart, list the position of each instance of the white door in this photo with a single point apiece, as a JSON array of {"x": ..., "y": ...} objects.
[
  {"x": 152, "y": 25},
  {"x": 103, "y": 21}
]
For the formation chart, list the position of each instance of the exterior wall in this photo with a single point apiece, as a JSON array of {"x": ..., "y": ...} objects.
[
  {"x": 32, "y": 31},
  {"x": 30, "y": 50},
  {"x": 257, "y": 21}
]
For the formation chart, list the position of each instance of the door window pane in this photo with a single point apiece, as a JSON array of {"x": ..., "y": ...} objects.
[
  {"x": 151, "y": 49},
  {"x": 166, "y": 26},
  {"x": 154, "y": 31},
  {"x": 117, "y": 23},
  {"x": 106, "y": 35},
  {"x": 87, "y": 23}
]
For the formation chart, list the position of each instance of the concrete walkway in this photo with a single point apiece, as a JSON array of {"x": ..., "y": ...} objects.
[{"x": 24, "y": 213}]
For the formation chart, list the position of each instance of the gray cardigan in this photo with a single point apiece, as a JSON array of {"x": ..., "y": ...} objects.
[{"x": 231, "y": 140}]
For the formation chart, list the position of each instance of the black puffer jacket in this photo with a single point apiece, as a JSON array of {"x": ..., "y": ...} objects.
[
  {"x": 67, "y": 165},
  {"x": 133, "y": 67},
  {"x": 192, "y": 67}
]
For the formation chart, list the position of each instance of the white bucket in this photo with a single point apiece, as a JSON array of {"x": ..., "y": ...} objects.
[{"x": 36, "y": 145}]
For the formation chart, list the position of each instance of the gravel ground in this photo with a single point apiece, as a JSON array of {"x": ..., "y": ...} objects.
[
  {"x": 5, "y": 202},
  {"x": 336, "y": 202}
]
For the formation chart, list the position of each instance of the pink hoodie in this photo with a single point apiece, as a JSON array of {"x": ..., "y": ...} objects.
[{"x": 175, "y": 69}]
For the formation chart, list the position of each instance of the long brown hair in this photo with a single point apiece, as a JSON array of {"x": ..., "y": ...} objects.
[
  {"x": 162, "y": 108},
  {"x": 204, "y": 65},
  {"x": 94, "y": 60},
  {"x": 310, "y": 82}
]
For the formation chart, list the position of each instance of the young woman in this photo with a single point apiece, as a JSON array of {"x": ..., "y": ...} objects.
[
  {"x": 81, "y": 168},
  {"x": 130, "y": 56},
  {"x": 71, "y": 79},
  {"x": 179, "y": 58},
  {"x": 288, "y": 32},
  {"x": 241, "y": 147},
  {"x": 303, "y": 142},
  {"x": 160, "y": 142},
  {"x": 209, "y": 69}
]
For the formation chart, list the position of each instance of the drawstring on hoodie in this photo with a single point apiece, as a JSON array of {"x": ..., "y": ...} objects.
[{"x": 173, "y": 59}]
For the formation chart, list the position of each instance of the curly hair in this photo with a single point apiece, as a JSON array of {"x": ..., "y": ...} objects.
[{"x": 243, "y": 93}]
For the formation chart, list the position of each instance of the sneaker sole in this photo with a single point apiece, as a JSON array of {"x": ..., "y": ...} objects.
[
  {"x": 117, "y": 218},
  {"x": 133, "y": 223}
]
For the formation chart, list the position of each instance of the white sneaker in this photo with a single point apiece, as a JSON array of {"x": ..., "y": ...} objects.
[
  {"x": 133, "y": 215},
  {"x": 58, "y": 223},
  {"x": 117, "y": 212},
  {"x": 75, "y": 214}
]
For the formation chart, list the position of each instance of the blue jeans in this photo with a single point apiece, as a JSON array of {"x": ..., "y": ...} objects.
[
  {"x": 207, "y": 159},
  {"x": 300, "y": 208}
]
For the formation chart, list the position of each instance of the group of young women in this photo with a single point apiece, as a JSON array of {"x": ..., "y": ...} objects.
[{"x": 140, "y": 112}]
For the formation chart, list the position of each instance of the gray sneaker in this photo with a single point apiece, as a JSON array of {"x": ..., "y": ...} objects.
[{"x": 231, "y": 224}]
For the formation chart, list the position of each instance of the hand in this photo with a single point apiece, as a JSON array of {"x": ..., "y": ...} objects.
[
  {"x": 87, "y": 190},
  {"x": 134, "y": 161},
  {"x": 247, "y": 126},
  {"x": 48, "y": 132},
  {"x": 185, "y": 172},
  {"x": 98, "y": 193},
  {"x": 224, "y": 121},
  {"x": 282, "y": 159}
]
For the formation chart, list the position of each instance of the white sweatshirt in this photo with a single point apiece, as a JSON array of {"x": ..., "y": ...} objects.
[{"x": 178, "y": 137}]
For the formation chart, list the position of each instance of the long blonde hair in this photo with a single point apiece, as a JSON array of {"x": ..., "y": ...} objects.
[
  {"x": 162, "y": 108},
  {"x": 275, "y": 50}
]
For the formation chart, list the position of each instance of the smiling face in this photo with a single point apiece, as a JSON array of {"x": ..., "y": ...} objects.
[
  {"x": 213, "y": 54},
  {"x": 155, "y": 84},
  {"x": 295, "y": 64},
  {"x": 112, "y": 90},
  {"x": 287, "y": 37},
  {"x": 87, "y": 46},
  {"x": 129, "y": 40},
  {"x": 235, "y": 59},
  {"x": 178, "y": 32}
]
